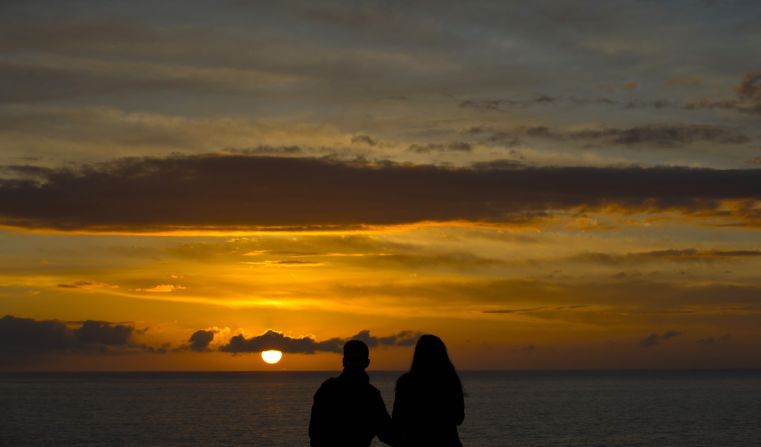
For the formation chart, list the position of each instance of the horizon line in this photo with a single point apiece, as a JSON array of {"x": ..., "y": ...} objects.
[{"x": 468, "y": 370}]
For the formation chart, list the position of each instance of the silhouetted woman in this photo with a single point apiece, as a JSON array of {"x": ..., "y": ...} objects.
[{"x": 429, "y": 401}]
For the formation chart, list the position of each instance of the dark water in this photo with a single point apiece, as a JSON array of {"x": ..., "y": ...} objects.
[{"x": 707, "y": 408}]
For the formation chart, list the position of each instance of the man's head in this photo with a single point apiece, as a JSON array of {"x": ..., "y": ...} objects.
[{"x": 356, "y": 355}]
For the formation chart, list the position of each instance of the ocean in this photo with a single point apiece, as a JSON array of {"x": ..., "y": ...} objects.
[{"x": 521, "y": 409}]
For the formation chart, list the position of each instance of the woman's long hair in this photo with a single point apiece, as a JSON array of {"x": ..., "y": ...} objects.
[{"x": 431, "y": 364}]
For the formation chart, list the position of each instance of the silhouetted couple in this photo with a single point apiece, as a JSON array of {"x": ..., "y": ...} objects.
[{"x": 428, "y": 407}]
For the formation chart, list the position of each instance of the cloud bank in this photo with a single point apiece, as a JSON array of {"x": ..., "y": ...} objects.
[
  {"x": 236, "y": 191},
  {"x": 643, "y": 136},
  {"x": 307, "y": 345},
  {"x": 25, "y": 338}
]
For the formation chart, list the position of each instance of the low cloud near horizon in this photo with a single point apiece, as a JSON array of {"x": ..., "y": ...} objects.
[
  {"x": 27, "y": 338},
  {"x": 308, "y": 345}
]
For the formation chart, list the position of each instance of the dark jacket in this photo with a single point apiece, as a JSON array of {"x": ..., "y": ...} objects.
[
  {"x": 348, "y": 412},
  {"x": 427, "y": 413}
]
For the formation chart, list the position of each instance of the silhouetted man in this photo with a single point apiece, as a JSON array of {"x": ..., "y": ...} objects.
[{"x": 347, "y": 410}]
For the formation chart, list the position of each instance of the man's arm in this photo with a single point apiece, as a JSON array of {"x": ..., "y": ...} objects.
[
  {"x": 459, "y": 409},
  {"x": 317, "y": 420},
  {"x": 383, "y": 428}
]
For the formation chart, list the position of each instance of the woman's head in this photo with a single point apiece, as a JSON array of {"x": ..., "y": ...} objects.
[
  {"x": 431, "y": 367},
  {"x": 430, "y": 355}
]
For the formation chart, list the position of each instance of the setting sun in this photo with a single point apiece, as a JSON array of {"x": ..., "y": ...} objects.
[{"x": 272, "y": 356}]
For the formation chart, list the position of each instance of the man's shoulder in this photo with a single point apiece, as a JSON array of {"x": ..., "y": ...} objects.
[
  {"x": 326, "y": 386},
  {"x": 335, "y": 385},
  {"x": 372, "y": 389}
]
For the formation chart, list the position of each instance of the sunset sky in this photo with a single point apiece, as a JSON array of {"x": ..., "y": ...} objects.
[{"x": 543, "y": 184}]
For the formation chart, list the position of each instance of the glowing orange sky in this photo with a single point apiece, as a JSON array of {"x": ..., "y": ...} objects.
[{"x": 173, "y": 187}]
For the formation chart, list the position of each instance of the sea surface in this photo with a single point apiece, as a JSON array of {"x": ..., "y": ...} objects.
[{"x": 522, "y": 409}]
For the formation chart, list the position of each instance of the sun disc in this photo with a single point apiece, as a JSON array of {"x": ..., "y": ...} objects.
[{"x": 272, "y": 356}]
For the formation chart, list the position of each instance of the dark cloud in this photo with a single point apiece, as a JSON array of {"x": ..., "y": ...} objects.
[
  {"x": 294, "y": 262},
  {"x": 242, "y": 191},
  {"x": 663, "y": 135},
  {"x": 265, "y": 150},
  {"x": 750, "y": 87},
  {"x": 747, "y": 100},
  {"x": 403, "y": 338},
  {"x": 653, "y": 104},
  {"x": 417, "y": 259},
  {"x": 749, "y": 107},
  {"x": 27, "y": 338},
  {"x": 712, "y": 341},
  {"x": 515, "y": 136},
  {"x": 200, "y": 340},
  {"x": 514, "y": 311},
  {"x": 651, "y": 135},
  {"x": 499, "y": 165},
  {"x": 594, "y": 101},
  {"x": 500, "y": 104},
  {"x": 753, "y": 161},
  {"x": 308, "y": 345},
  {"x": 76, "y": 285},
  {"x": 101, "y": 332},
  {"x": 275, "y": 340},
  {"x": 628, "y": 104},
  {"x": 656, "y": 339},
  {"x": 506, "y": 104},
  {"x": 678, "y": 255},
  {"x": 364, "y": 139},
  {"x": 437, "y": 147},
  {"x": 528, "y": 310}
]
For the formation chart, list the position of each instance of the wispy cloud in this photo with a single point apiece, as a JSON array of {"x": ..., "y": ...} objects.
[
  {"x": 659, "y": 135},
  {"x": 162, "y": 288},
  {"x": 440, "y": 147},
  {"x": 712, "y": 341},
  {"x": 87, "y": 285},
  {"x": 657, "y": 339},
  {"x": 747, "y": 100}
]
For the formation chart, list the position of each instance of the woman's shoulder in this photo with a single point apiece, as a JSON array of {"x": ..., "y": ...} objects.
[
  {"x": 403, "y": 380},
  {"x": 405, "y": 377}
]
